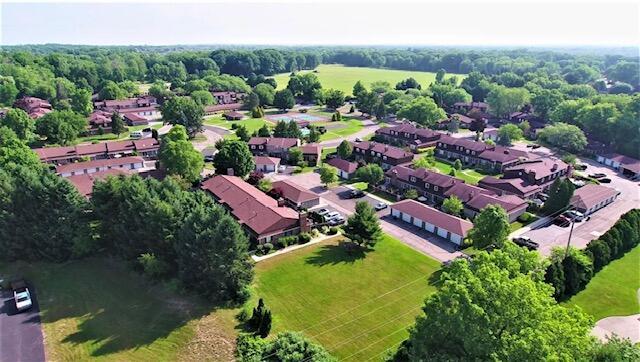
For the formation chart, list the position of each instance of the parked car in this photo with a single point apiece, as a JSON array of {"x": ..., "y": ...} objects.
[
  {"x": 526, "y": 242},
  {"x": 358, "y": 139},
  {"x": 355, "y": 194},
  {"x": 562, "y": 221},
  {"x": 543, "y": 197},
  {"x": 535, "y": 146},
  {"x": 21, "y": 295},
  {"x": 144, "y": 133},
  {"x": 605, "y": 180},
  {"x": 322, "y": 211},
  {"x": 381, "y": 206},
  {"x": 338, "y": 220},
  {"x": 331, "y": 215},
  {"x": 574, "y": 215},
  {"x": 580, "y": 166},
  {"x": 578, "y": 183},
  {"x": 597, "y": 175},
  {"x": 282, "y": 168}
]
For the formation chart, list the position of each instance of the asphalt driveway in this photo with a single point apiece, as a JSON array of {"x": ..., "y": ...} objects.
[{"x": 21, "y": 336}]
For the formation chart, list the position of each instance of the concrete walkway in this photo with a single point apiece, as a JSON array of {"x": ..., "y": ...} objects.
[
  {"x": 623, "y": 327},
  {"x": 294, "y": 247}
]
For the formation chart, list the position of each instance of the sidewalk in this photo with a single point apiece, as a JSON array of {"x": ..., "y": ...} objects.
[{"x": 320, "y": 239}]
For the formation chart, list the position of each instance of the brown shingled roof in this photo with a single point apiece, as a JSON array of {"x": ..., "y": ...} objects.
[{"x": 293, "y": 192}]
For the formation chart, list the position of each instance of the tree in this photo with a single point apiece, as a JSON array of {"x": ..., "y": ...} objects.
[
  {"x": 380, "y": 110},
  {"x": 81, "y": 101},
  {"x": 251, "y": 101},
  {"x": 61, "y": 127},
  {"x": 408, "y": 84},
  {"x": 202, "y": 97},
  {"x": 234, "y": 155},
  {"x": 284, "y": 99},
  {"x": 336, "y": 117},
  {"x": 372, "y": 174},
  {"x": 452, "y": 205},
  {"x": 457, "y": 165},
  {"x": 363, "y": 227},
  {"x": 264, "y": 131},
  {"x": 344, "y": 149},
  {"x": 266, "y": 93},
  {"x": 334, "y": 98},
  {"x": 498, "y": 307},
  {"x": 566, "y": 136},
  {"x": 286, "y": 346},
  {"x": 422, "y": 110},
  {"x": 19, "y": 122},
  {"x": 410, "y": 194},
  {"x": 314, "y": 134},
  {"x": 15, "y": 151},
  {"x": 117, "y": 124},
  {"x": 303, "y": 86},
  {"x": 243, "y": 133},
  {"x": 504, "y": 101},
  {"x": 446, "y": 95},
  {"x": 560, "y": 194},
  {"x": 183, "y": 111},
  {"x": 367, "y": 102},
  {"x": 508, "y": 133},
  {"x": 212, "y": 254},
  {"x": 111, "y": 90},
  {"x": 178, "y": 156},
  {"x": 293, "y": 131},
  {"x": 524, "y": 127},
  {"x": 8, "y": 91},
  {"x": 328, "y": 175},
  {"x": 440, "y": 75},
  {"x": 546, "y": 101},
  {"x": 281, "y": 130},
  {"x": 490, "y": 227},
  {"x": 427, "y": 160},
  {"x": 295, "y": 156},
  {"x": 358, "y": 89},
  {"x": 454, "y": 124}
]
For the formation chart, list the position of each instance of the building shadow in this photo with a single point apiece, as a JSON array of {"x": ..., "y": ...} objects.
[{"x": 333, "y": 254}]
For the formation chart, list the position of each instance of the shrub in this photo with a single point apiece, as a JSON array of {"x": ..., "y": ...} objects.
[
  {"x": 242, "y": 316},
  {"x": 297, "y": 169},
  {"x": 304, "y": 238},
  {"x": 152, "y": 266},
  {"x": 268, "y": 247},
  {"x": 287, "y": 240},
  {"x": 324, "y": 229},
  {"x": 526, "y": 217},
  {"x": 234, "y": 125},
  {"x": 333, "y": 230},
  {"x": 260, "y": 249}
]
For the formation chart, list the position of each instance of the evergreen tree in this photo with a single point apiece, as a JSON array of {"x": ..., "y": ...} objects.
[
  {"x": 117, "y": 124},
  {"x": 281, "y": 130},
  {"x": 344, "y": 149},
  {"x": 363, "y": 227},
  {"x": 243, "y": 133},
  {"x": 264, "y": 131}
]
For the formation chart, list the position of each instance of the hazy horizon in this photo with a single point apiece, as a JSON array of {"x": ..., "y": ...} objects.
[{"x": 542, "y": 25}]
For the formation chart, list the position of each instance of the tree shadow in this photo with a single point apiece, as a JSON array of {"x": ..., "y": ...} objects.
[
  {"x": 332, "y": 254},
  {"x": 434, "y": 278}
]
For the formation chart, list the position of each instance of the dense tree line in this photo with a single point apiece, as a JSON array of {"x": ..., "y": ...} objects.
[{"x": 569, "y": 272}]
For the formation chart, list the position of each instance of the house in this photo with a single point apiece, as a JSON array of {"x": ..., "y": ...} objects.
[
  {"x": 296, "y": 196},
  {"x": 466, "y": 107},
  {"x": 513, "y": 205},
  {"x": 266, "y": 164},
  {"x": 385, "y": 155},
  {"x": 88, "y": 167},
  {"x": 35, "y": 107},
  {"x": 84, "y": 182},
  {"x": 272, "y": 146},
  {"x": 431, "y": 185},
  {"x": 261, "y": 216},
  {"x": 463, "y": 121},
  {"x": 133, "y": 119},
  {"x": 99, "y": 120},
  {"x": 479, "y": 154},
  {"x": 514, "y": 186},
  {"x": 146, "y": 107},
  {"x": 227, "y": 97},
  {"x": 629, "y": 166},
  {"x": 146, "y": 148},
  {"x": 233, "y": 116},
  {"x": 591, "y": 198},
  {"x": 490, "y": 134},
  {"x": 540, "y": 172},
  {"x": 215, "y": 108},
  {"x": 427, "y": 218},
  {"x": 346, "y": 169},
  {"x": 311, "y": 153},
  {"x": 408, "y": 135},
  {"x": 466, "y": 192}
]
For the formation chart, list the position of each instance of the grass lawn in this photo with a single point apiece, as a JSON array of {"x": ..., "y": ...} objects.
[
  {"x": 113, "y": 137},
  {"x": 613, "y": 291},
  {"x": 340, "y": 129},
  {"x": 470, "y": 176},
  {"x": 357, "y": 306},
  {"x": 99, "y": 308},
  {"x": 343, "y": 78},
  {"x": 252, "y": 124}
]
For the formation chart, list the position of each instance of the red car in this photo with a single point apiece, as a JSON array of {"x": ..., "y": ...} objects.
[{"x": 562, "y": 221}]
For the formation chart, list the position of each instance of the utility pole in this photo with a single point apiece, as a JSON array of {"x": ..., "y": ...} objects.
[{"x": 566, "y": 252}]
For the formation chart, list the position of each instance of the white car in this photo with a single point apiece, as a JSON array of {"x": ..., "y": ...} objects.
[
  {"x": 331, "y": 215},
  {"x": 282, "y": 168},
  {"x": 322, "y": 211},
  {"x": 21, "y": 295},
  {"x": 381, "y": 206}
]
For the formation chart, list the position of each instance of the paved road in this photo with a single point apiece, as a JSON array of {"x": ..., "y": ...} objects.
[
  {"x": 422, "y": 241},
  {"x": 21, "y": 336},
  {"x": 602, "y": 220}
]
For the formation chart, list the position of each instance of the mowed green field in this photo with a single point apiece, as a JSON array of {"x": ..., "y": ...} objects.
[
  {"x": 357, "y": 306},
  {"x": 335, "y": 76},
  {"x": 614, "y": 290}
]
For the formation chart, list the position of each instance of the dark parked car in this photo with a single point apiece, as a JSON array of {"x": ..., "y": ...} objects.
[
  {"x": 562, "y": 221},
  {"x": 597, "y": 175},
  {"x": 356, "y": 194},
  {"x": 526, "y": 242},
  {"x": 543, "y": 197},
  {"x": 605, "y": 180},
  {"x": 580, "y": 166}
]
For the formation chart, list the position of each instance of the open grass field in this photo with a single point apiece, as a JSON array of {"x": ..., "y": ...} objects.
[
  {"x": 470, "y": 176},
  {"x": 340, "y": 129},
  {"x": 97, "y": 308},
  {"x": 335, "y": 76},
  {"x": 614, "y": 290},
  {"x": 356, "y": 305}
]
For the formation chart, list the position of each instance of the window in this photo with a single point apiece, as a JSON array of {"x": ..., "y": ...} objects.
[
  {"x": 384, "y": 157},
  {"x": 413, "y": 179},
  {"x": 435, "y": 188},
  {"x": 426, "y": 185}
]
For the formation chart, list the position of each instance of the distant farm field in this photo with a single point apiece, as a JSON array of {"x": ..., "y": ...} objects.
[
  {"x": 357, "y": 306},
  {"x": 343, "y": 78}
]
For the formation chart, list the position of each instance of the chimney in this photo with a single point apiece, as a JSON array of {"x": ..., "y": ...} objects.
[
  {"x": 281, "y": 202},
  {"x": 554, "y": 167},
  {"x": 305, "y": 225},
  {"x": 230, "y": 171}
]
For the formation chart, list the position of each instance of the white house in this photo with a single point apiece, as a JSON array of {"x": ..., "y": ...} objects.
[
  {"x": 427, "y": 218},
  {"x": 266, "y": 164},
  {"x": 89, "y": 167},
  {"x": 345, "y": 168}
]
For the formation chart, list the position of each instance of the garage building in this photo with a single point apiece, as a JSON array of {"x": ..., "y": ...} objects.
[
  {"x": 427, "y": 218},
  {"x": 591, "y": 198}
]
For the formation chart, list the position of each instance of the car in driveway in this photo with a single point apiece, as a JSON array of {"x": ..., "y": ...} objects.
[
  {"x": 331, "y": 215},
  {"x": 322, "y": 211},
  {"x": 356, "y": 194},
  {"x": 381, "y": 206},
  {"x": 526, "y": 242},
  {"x": 21, "y": 295},
  {"x": 597, "y": 175},
  {"x": 338, "y": 220},
  {"x": 605, "y": 180},
  {"x": 562, "y": 221},
  {"x": 574, "y": 215}
]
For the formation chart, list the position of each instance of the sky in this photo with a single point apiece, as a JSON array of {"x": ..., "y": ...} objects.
[{"x": 347, "y": 22}]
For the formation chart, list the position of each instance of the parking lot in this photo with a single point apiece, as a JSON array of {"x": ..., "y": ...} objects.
[
  {"x": 553, "y": 236},
  {"x": 20, "y": 333}
]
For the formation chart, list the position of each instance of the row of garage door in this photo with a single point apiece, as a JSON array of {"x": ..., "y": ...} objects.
[{"x": 454, "y": 238}]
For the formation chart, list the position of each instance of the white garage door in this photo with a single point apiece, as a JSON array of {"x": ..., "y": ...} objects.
[
  {"x": 442, "y": 232},
  {"x": 417, "y": 222},
  {"x": 429, "y": 227},
  {"x": 456, "y": 239},
  {"x": 395, "y": 212},
  {"x": 406, "y": 217}
]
